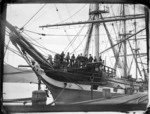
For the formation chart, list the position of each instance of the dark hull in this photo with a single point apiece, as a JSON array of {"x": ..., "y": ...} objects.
[
  {"x": 75, "y": 92},
  {"x": 72, "y": 96},
  {"x": 102, "y": 79}
]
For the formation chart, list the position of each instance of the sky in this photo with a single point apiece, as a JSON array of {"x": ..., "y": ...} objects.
[
  {"x": 18, "y": 16},
  {"x": 59, "y": 37}
]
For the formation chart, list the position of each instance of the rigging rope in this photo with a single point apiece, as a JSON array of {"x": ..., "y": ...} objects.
[
  {"x": 119, "y": 46},
  {"x": 119, "y": 32},
  {"x": 40, "y": 44},
  {"x": 43, "y": 48},
  {"x": 63, "y": 27},
  {"x": 74, "y": 14},
  {"x": 42, "y": 34},
  {"x": 141, "y": 60},
  {"x": 32, "y": 17},
  {"x": 122, "y": 41},
  {"x": 72, "y": 20},
  {"x": 114, "y": 31},
  {"x": 134, "y": 58},
  {"x": 78, "y": 35},
  {"x": 32, "y": 40},
  {"x": 7, "y": 44},
  {"x": 14, "y": 51},
  {"x": 74, "y": 39},
  {"x": 81, "y": 41},
  {"x": 130, "y": 66},
  {"x": 6, "y": 48}
]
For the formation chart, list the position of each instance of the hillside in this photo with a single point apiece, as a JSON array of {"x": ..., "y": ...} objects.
[{"x": 12, "y": 74}]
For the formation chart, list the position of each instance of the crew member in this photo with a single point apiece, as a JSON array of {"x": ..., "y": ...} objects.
[
  {"x": 95, "y": 60},
  {"x": 62, "y": 55},
  {"x": 100, "y": 59},
  {"x": 78, "y": 60},
  {"x": 68, "y": 58},
  {"x": 72, "y": 60},
  {"x": 57, "y": 60},
  {"x": 90, "y": 59}
]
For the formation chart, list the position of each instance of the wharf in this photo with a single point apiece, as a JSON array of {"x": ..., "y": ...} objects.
[
  {"x": 137, "y": 98},
  {"x": 124, "y": 103}
]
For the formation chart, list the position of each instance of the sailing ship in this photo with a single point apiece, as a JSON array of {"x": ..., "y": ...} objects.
[{"x": 82, "y": 80}]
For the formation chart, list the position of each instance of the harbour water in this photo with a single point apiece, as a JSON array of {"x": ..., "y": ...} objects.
[{"x": 21, "y": 90}]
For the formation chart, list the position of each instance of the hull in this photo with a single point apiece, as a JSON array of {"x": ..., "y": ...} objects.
[{"x": 67, "y": 92}]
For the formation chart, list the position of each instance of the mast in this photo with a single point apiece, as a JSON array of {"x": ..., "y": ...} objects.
[
  {"x": 147, "y": 25},
  {"x": 96, "y": 30},
  {"x": 124, "y": 43},
  {"x": 135, "y": 45},
  {"x": 86, "y": 50}
]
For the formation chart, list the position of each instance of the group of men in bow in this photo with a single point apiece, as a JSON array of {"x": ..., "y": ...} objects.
[{"x": 71, "y": 60}]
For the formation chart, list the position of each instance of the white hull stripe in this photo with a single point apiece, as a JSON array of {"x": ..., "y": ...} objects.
[{"x": 76, "y": 86}]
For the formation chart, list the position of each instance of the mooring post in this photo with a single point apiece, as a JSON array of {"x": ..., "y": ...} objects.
[{"x": 39, "y": 84}]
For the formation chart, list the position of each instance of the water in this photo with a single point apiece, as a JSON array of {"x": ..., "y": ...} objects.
[{"x": 21, "y": 90}]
